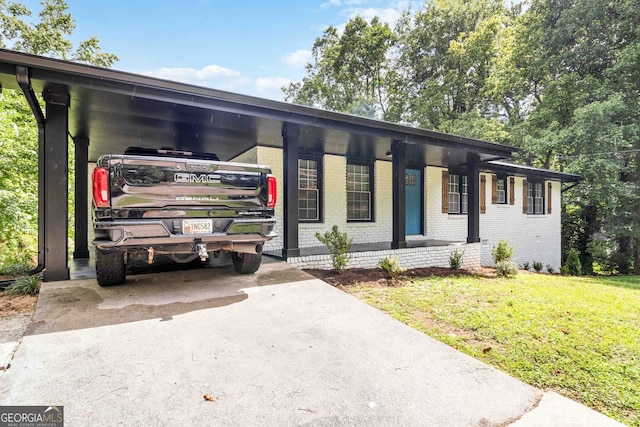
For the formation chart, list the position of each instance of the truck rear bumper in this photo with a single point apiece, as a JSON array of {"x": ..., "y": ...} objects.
[{"x": 241, "y": 231}]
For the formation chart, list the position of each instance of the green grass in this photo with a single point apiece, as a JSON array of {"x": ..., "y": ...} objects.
[
  {"x": 578, "y": 336},
  {"x": 29, "y": 285}
]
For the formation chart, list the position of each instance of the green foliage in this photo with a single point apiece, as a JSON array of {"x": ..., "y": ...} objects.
[
  {"x": 579, "y": 336},
  {"x": 14, "y": 269},
  {"x": 550, "y": 269},
  {"x": 526, "y": 266},
  {"x": 392, "y": 266},
  {"x": 502, "y": 252},
  {"x": 561, "y": 80},
  {"x": 350, "y": 72},
  {"x": 506, "y": 268},
  {"x": 48, "y": 34},
  {"x": 572, "y": 264},
  {"x": 537, "y": 266},
  {"x": 29, "y": 285},
  {"x": 455, "y": 259},
  {"x": 338, "y": 245}
]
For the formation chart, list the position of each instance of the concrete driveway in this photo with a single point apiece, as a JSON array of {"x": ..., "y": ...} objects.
[{"x": 276, "y": 348}]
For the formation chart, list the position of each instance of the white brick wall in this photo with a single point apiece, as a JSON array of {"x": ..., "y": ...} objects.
[
  {"x": 434, "y": 256},
  {"x": 438, "y": 225},
  {"x": 534, "y": 237},
  {"x": 273, "y": 157},
  {"x": 249, "y": 156}
]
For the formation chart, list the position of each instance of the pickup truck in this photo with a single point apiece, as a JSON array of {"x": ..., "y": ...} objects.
[{"x": 179, "y": 204}]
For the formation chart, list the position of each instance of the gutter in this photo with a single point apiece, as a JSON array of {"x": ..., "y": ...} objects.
[{"x": 22, "y": 75}]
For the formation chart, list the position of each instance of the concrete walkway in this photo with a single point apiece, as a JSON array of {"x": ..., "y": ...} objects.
[{"x": 277, "y": 348}]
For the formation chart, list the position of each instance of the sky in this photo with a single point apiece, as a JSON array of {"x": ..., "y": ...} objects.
[{"x": 253, "y": 47}]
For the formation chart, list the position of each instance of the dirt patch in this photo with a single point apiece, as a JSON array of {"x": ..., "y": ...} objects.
[
  {"x": 11, "y": 305},
  {"x": 372, "y": 276}
]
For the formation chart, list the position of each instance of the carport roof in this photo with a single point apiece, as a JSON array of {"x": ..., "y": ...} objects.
[{"x": 115, "y": 110}]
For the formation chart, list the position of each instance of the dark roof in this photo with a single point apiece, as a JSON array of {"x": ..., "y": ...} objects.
[
  {"x": 115, "y": 110},
  {"x": 529, "y": 171}
]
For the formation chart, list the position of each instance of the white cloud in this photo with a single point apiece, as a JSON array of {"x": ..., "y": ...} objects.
[
  {"x": 270, "y": 87},
  {"x": 390, "y": 15},
  {"x": 298, "y": 59},
  {"x": 332, "y": 3},
  {"x": 212, "y": 76}
]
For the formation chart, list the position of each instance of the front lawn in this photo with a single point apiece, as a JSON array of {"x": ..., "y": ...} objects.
[{"x": 577, "y": 336}]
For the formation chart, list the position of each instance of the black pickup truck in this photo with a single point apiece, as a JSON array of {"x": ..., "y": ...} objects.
[{"x": 180, "y": 204}]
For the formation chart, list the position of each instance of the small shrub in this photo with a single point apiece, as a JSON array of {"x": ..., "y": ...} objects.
[
  {"x": 338, "y": 245},
  {"x": 537, "y": 266},
  {"x": 14, "y": 269},
  {"x": 572, "y": 264},
  {"x": 550, "y": 269},
  {"x": 564, "y": 270},
  {"x": 29, "y": 285},
  {"x": 392, "y": 266},
  {"x": 455, "y": 259},
  {"x": 526, "y": 266},
  {"x": 502, "y": 252},
  {"x": 506, "y": 268}
]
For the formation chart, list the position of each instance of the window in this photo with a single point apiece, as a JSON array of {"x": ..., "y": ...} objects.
[
  {"x": 359, "y": 192},
  {"x": 458, "y": 194},
  {"x": 501, "y": 190},
  {"x": 535, "y": 198},
  {"x": 308, "y": 190}
]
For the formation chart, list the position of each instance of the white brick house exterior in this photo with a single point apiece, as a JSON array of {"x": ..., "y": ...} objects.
[{"x": 534, "y": 237}]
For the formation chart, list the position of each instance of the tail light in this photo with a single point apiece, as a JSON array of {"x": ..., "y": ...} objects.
[
  {"x": 101, "y": 187},
  {"x": 272, "y": 191}
]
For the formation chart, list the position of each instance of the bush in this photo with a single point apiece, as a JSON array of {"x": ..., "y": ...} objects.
[
  {"x": 537, "y": 266},
  {"x": 14, "y": 269},
  {"x": 526, "y": 266},
  {"x": 506, "y": 268},
  {"x": 392, "y": 266},
  {"x": 455, "y": 259},
  {"x": 502, "y": 252},
  {"x": 572, "y": 264},
  {"x": 550, "y": 269},
  {"x": 564, "y": 270},
  {"x": 338, "y": 245},
  {"x": 29, "y": 285}
]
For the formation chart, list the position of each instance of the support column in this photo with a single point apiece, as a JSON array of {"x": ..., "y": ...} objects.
[
  {"x": 473, "y": 217},
  {"x": 81, "y": 196},
  {"x": 55, "y": 185},
  {"x": 291, "y": 144},
  {"x": 399, "y": 169}
]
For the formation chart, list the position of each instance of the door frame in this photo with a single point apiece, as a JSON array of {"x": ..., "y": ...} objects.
[{"x": 421, "y": 169}]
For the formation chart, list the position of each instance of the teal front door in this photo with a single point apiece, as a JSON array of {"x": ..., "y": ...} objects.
[{"x": 413, "y": 201}]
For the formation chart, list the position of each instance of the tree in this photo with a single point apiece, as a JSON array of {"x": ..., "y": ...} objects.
[
  {"x": 350, "y": 72},
  {"x": 48, "y": 36}
]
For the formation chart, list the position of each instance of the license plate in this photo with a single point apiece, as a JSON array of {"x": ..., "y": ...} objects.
[{"x": 197, "y": 226}]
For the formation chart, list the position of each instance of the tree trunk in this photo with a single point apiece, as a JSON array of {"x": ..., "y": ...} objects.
[{"x": 589, "y": 215}]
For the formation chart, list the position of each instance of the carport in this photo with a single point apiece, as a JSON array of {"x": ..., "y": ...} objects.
[{"x": 105, "y": 111}]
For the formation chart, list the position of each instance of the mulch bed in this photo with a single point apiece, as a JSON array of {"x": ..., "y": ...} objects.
[{"x": 352, "y": 276}]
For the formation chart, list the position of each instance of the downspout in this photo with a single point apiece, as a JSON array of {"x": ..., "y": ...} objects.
[{"x": 22, "y": 75}]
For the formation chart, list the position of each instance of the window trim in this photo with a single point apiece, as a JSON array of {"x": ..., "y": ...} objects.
[
  {"x": 318, "y": 158},
  {"x": 371, "y": 165},
  {"x": 463, "y": 182},
  {"x": 533, "y": 185}
]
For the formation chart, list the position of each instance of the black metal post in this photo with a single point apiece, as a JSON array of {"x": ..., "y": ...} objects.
[
  {"x": 290, "y": 139},
  {"x": 473, "y": 217},
  {"x": 81, "y": 249},
  {"x": 55, "y": 186},
  {"x": 399, "y": 170}
]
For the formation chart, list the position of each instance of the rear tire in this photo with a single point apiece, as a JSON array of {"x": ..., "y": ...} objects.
[
  {"x": 110, "y": 268},
  {"x": 246, "y": 263}
]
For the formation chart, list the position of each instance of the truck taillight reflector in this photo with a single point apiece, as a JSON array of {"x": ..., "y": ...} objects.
[
  {"x": 272, "y": 191},
  {"x": 101, "y": 187}
]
